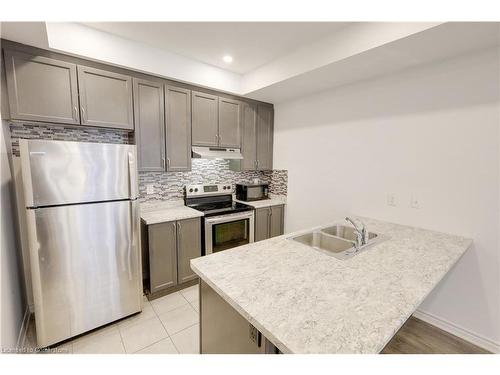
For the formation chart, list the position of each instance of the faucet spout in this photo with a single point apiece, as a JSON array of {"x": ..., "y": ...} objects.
[{"x": 361, "y": 232}]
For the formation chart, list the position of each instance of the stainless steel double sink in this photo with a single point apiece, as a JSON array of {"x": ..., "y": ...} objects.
[{"x": 337, "y": 240}]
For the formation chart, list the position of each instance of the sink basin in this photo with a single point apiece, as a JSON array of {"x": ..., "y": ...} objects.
[
  {"x": 337, "y": 240},
  {"x": 346, "y": 232},
  {"x": 323, "y": 241}
]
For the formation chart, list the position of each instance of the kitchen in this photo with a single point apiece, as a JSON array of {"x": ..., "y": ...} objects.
[{"x": 282, "y": 204}]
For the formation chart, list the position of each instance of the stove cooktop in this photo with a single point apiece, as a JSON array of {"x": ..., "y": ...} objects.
[{"x": 212, "y": 208}]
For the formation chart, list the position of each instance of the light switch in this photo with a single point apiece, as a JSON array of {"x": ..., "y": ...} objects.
[
  {"x": 150, "y": 189},
  {"x": 391, "y": 200},
  {"x": 414, "y": 202}
]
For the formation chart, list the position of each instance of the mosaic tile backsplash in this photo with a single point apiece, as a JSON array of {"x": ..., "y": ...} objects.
[
  {"x": 65, "y": 133},
  {"x": 169, "y": 185},
  {"x": 166, "y": 185}
]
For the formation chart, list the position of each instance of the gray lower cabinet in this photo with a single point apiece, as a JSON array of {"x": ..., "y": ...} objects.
[
  {"x": 105, "y": 98},
  {"x": 188, "y": 247},
  {"x": 178, "y": 128},
  {"x": 205, "y": 121},
  {"x": 257, "y": 137},
  {"x": 171, "y": 247},
  {"x": 41, "y": 89},
  {"x": 229, "y": 123},
  {"x": 149, "y": 125},
  {"x": 269, "y": 222},
  {"x": 162, "y": 241},
  {"x": 225, "y": 331}
]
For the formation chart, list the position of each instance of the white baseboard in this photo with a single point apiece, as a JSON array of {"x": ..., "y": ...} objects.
[
  {"x": 463, "y": 333},
  {"x": 21, "y": 338}
]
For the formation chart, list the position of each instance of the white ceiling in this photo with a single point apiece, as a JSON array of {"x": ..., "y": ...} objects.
[
  {"x": 438, "y": 43},
  {"x": 251, "y": 44}
]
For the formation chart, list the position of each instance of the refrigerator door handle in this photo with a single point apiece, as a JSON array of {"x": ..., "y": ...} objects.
[
  {"x": 132, "y": 175},
  {"x": 131, "y": 245}
]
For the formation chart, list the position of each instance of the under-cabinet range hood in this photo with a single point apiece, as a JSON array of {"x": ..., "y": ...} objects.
[{"x": 217, "y": 153}]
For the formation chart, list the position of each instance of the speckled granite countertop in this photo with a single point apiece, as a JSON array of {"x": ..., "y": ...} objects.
[
  {"x": 305, "y": 301},
  {"x": 273, "y": 201},
  {"x": 154, "y": 212}
]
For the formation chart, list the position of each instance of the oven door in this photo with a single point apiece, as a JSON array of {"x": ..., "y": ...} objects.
[{"x": 223, "y": 232}]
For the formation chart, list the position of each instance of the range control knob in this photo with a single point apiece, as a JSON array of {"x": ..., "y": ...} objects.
[
  {"x": 229, "y": 187},
  {"x": 191, "y": 190},
  {"x": 196, "y": 190},
  {"x": 224, "y": 188}
]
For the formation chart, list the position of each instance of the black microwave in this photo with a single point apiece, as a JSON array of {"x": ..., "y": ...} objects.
[{"x": 252, "y": 192}]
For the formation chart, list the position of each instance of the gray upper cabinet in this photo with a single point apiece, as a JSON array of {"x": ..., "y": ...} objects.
[
  {"x": 269, "y": 222},
  {"x": 205, "y": 121},
  {"x": 178, "y": 128},
  {"x": 188, "y": 247},
  {"x": 41, "y": 89},
  {"x": 257, "y": 137},
  {"x": 105, "y": 98},
  {"x": 249, "y": 137},
  {"x": 264, "y": 137},
  {"x": 229, "y": 123},
  {"x": 162, "y": 239},
  {"x": 149, "y": 125}
]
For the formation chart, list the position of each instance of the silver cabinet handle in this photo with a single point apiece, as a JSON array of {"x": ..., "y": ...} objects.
[
  {"x": 269, "y": 223},
  {"x": 168, "y": 163},
  {"x": 257, "y": 164},
  {"x": 163, "y": 163},
  {"x": 76, "y": 111},
  {"x": 179, "y": 233},
  {"x": 83, "y": 113}
]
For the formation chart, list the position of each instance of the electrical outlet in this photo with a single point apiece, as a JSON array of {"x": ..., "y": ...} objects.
[
  {"x": 414, "y": 202},
  {"x": 391, "y": 200},
  {"x": 150, "y": 189}
]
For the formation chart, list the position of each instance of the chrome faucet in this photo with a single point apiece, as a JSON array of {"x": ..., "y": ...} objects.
[{"x": 361, "y": 232}]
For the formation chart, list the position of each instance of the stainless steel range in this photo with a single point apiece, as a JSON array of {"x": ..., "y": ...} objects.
[{"x": 226, "y": 223}]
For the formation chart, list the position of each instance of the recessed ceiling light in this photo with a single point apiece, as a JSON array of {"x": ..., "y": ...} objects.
[{"x": 228, "y": 59}]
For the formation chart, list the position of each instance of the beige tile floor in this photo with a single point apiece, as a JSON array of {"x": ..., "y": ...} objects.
[{"x": 167, "y": 325}]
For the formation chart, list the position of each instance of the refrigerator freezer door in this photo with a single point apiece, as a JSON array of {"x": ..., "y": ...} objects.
[
  {"x": 85, "y": 265},
  {"x": 60, "y": 172}
]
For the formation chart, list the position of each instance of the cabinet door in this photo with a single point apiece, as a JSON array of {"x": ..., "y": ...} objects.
[
  {"x": 205, "y": 123},
  {"x": 41, "y": 89},
  {"x": 149, "y": 125},
  {"x": 249, "y": 137},
  {"x": 262, "y": 224},
  {"x": 105, "y": 98},
  {"x": 264, "y": 137},
  {"x": 178, "y": 111},
  {"x": 188, "y": 247},
  {"x": 229, "y": 123},
  {"x": 276, "y": 221},
  {"x": 162, "y": 256}
]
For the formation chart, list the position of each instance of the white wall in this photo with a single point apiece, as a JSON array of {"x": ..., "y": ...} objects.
[
  {"x": 349, "y": 41},
  {"x": 432, "y": 131}
]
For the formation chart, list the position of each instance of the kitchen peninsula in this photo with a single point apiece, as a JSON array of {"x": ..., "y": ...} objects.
[{"x": 305, "y": 301}]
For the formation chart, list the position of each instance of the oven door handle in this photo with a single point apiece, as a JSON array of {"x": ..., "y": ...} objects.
[{"x": 228, "y": 218}]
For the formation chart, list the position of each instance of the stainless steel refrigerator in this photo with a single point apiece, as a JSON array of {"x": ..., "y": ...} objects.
[{"x": 83, "y": 230}]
